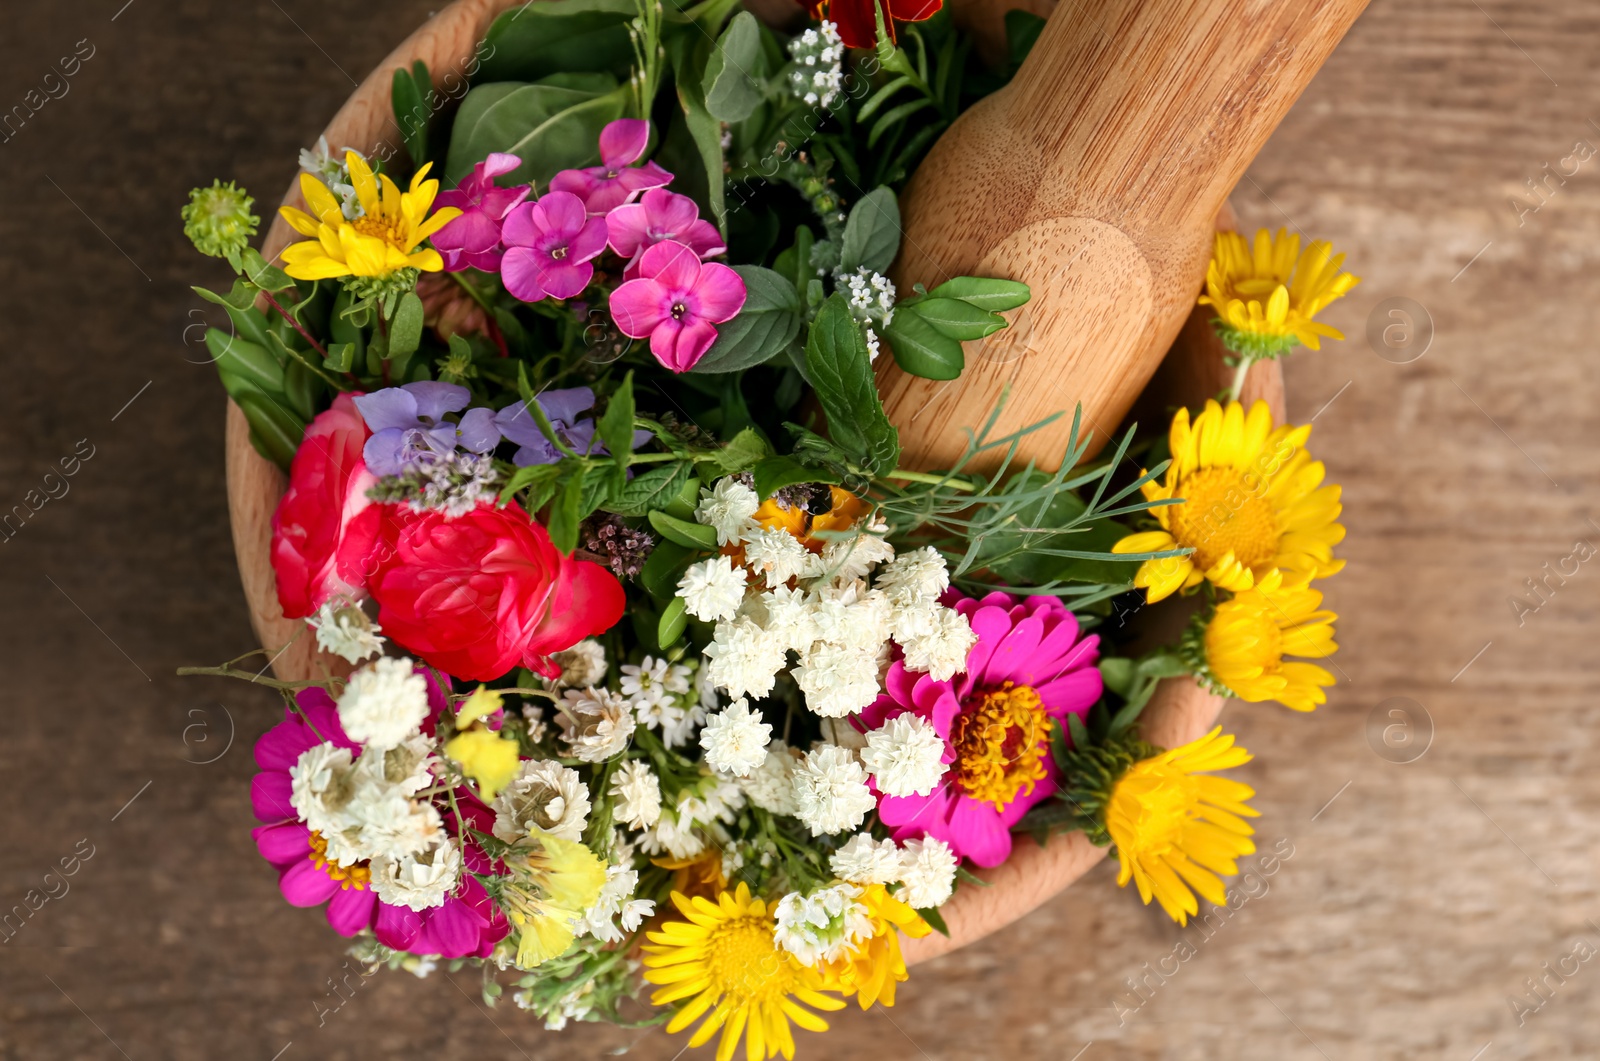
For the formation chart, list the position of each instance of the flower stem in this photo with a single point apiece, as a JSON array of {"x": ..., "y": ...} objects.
[
  {"x": 929, "y": 477},
  {"x": 1245, "y": 361},
  {"x": 296, "y": 325}
]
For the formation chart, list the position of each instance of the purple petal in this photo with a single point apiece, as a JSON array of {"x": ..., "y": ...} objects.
[
  {"x": 564, "y": 278},
  {"x": 434, "y": 399},
  {"x": 566, "y": 404},
  {"x": 515, "y": 424},
  {"x": 519, "y": 270},
  {"x": 351, "y": 910},
  {"x": 561, "y": 212},
  {"x": 477, "y": 432},
  {"x": 384, "y": 451},
  {"x": 390, "y": 407},
  {"x": 719, "y": 293},
  {"x": 623, "y": 142},
  {"x": 303, "y": 884},
  {"x": 638, "y": 306},
  {"x": 269, "y": 796}
]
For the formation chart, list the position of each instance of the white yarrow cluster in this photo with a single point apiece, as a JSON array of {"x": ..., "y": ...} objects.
[
  {"x": 636, "y": 795},
  {"x": 712, "y": 589},
  {"x": 830, "y": 791},
  {"x": 596, "y": 723},
  {"x": 384, "y": 704},
  {"x": 345, "y": 630},
  {"x": 735, "y": 739},
  {"x": 818, "y": 75},
  {"x": 863, "y": 860},
  {"x": 823, "y": 926},
  {"x": 744, "y": 657},
  {"x": 362, "y": 806},
  {"x": 905, "y": 756},
  {"x": 770, "y": 786},
  {"x": 545, "y": 796},
  {"x": 728, "y": 507},
  {"x": 928, "y": 873}
]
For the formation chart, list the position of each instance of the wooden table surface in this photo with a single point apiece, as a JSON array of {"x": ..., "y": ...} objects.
[{"x": 1414, "y": 899}]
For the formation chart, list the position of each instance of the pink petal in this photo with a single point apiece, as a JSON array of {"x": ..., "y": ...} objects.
[
  {"x": 914, "y": 816},
  {"x": 472, "y": 231},
  {"x": 576, "y": 181},
  {"x": 642, "y": 178},
  {"x": 673, "y": 264},
  {"x": 520, "y": 271},
  {"x": 976, "y": 832},
  {"x": 624, "y": 141},
  {"x": 450, "y": 931},
  {"x": 589, "y": 242},
  {"x": 269, "y": 796},
  {"x": 498, "y": 164},
  {"x": 519, "y": 228},
  {"x": 303, "y": 884},
  {"x": 498, "y": 202},
  {"x": 281, "y": 746},
  {"x": 1015, "y": 655},
  {"x": 703, "y": 238},
  {"x": 284, "y": 843},
  {"x": 564, "y": 278},
  {"x": 351, "y": 910},
  {"x": 669, "y": 211},
  {"x": 638, "y": 306},
  {"x": 397, "y": 927},
  {"x": 561, "y": 212},
  {"x": 627, "y": 227},
  {"x": 719, "y": 293},
  {"x": 679, "y": 344},
  {"x": 1074, "y": 694},
  {"x": 991, "y": 625}
]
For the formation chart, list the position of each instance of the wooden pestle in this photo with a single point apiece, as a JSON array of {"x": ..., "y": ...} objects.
[{"x": 1095, "y": 177}]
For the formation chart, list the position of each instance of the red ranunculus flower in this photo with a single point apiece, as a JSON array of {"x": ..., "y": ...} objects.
[
  {"x": 325, "y": 526},
  {"x": 480, "y": 593},
  {"x": 857, "y": 19}
]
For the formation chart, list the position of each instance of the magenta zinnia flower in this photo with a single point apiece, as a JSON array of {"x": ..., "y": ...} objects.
[
  {"x": 616, "y": 180},
  {"x": 469, "y": 923},
  {"x": 661, "y": 215},
  {"x": 473, "y": 239},
  {"x": 1027, "y": 672},
  {"x": 549, "y": 245},
  {"x": 676, "y": 301}
]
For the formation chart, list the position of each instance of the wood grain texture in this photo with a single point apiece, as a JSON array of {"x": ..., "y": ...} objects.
[{"x": 1094, "y": 177}]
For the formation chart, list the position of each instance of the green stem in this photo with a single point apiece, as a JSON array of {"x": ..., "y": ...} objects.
[
  {"x": 296, "y": 325},
  {"x": 929, "y": 477},
  {"x": 1245, "y": 361},
  {"x": 244, "y": 675}
]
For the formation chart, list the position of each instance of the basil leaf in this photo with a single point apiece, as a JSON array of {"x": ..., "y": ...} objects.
[
  {"x": 552, "y": 124},
  {"x": 616, "y": 426},
  {"x": 654, "y": 490},
  {"x": 664, "y": 567},
  {"x": 564, "y": 515},
  {"x": 674, "y": 620},
  {"x": 841, "y": 371}
]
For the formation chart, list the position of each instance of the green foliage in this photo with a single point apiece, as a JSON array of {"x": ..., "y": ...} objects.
[
  {"x": 730, "y": 86},
  {"x": 927, "y": 331},
  {"x": 766, "y": 325},
  {"x": 840, "y": 368},
  {"x": 776, "y": 473},
  {"x": 872, "y": 233},
  {"x": 533, "y": 41},
  {"x": 654, "y": 489},
  {"x": 412, "y": 99},
  {"x": 684, "y": 532},
  {"x": 693, "y": 147},
  {"x": 1022, "y": 32},
  {"x": 551, "y": 124}
]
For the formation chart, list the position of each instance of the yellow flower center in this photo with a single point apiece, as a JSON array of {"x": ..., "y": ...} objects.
[
  {"x": 357, "y": 876},
  {"x": 1156, "y": 800},
  {"x": 999, "y": 740},
  {"x": 375, "y": 224},
  {"x": 1222, "y": 512},
  {"x": 744, "y": 961}
]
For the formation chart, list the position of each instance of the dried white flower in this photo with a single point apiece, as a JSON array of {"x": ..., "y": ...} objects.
[
  {"x": 596, "y": 723},
  {"x": 545, "y": 796},
  {"x": 943, "y": 651},
  {"x": 744, "y": 658},
  {"x": 728, "y": 507},
  {"x": 712, "y": 589},
  {"x": 775, "y": 554},
  {"x": 770, "y": 786},
  {"x": 844, "y": 560},
  {"x": 863, "y": 860},
  {"x": 582, "y": 665},
  {"x": 418, "y": 882},
  {"x": 637, "y": 795},
  {"x": 918, "y": 575},
  {"x": 830, "y": 791},
  {"x": 385, "y": 702},
  {"x": 345, "y": 630},
  {"x": 735, "y": 739},
  {"x": 321, "y": 784},
  {"x": 838, "y": 679},
  {"x": 905, "y": 756},
  {"x": 823, "y": 926},
  {"x": 928, "y": 871},
  {"x": 787, "y": 615}
]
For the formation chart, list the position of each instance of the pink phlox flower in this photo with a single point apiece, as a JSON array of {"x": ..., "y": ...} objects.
[
  {"x": 661, "y": 215},
  {"x": 616, "y": 180},
  {"x": 473, "y": 239},
  {"x": 549, "y": 247},
  {"x": 677, "y": 301}
]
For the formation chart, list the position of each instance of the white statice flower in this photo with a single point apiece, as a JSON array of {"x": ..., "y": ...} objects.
[
  {"x": 362, "y": 807},
  {"x": 727, "y": 507},
  {"x": 407, "y": 767},
  {"x": 712, "y": 589},
  {"x": 943, "y": 651},
  {"x": 787, "y": 614},
  {"x": 418, "y": 882},
  {"x": 595, "y": 723},
  {"x": 871, "y": 296},
  {"x": 913, "y": 576},
  {"x": 545, "y": 796},
  {"x": 582, "y": 665},
  {"x": 830, "y": 791},
  {"x": 636, "y": 794},
  {"x": 863, "y": 860},
  {"x": 838, "y": 679},
  {"x": 775, "y": 554},
  {"x": 615, "y": 904},
  {"x": 823, "y": 926},
  {"x": 770, "y": 786},
  {"x": 905, "y": 756},
  {"x": 385, "y": 702},
  {"x": 345, "y": 630},
  {"x": 390, "y": 824},
  {"x": 743, "y": 658},
  {"x": 818, "y": 74},
  {"x": 735, "y": 739},
  {"x": 928, "y": 871}
]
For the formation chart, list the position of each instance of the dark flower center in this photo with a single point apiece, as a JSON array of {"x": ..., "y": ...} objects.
[
  {"x": 558, "y": 253},
  {"x": 679, "y": 310}
]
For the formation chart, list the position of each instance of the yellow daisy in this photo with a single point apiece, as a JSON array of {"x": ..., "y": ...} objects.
[
  {"x": 1175, "y": 830},
  {"x": 552, "y": 882},
  {"x": 1266, "y": 299},
  {"x": 1253, "y": 501},
  {"x": 382, "y": 241},
  {"x": 875, "y": 965},
  {"x": 723, "y": 955},
  {"x": 1247, "y": 638}
]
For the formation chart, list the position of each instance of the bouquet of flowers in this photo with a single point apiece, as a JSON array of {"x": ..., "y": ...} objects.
[{"x": 646, "y": 662}]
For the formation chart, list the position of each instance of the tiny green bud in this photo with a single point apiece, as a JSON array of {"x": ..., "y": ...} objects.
[{"x": 218, "y": 220}]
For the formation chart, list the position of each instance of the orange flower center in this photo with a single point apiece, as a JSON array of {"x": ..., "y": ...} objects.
[
  {"x": 375, "y": 224},
  {"x": 1222, "y": 512},
  {"x": 1000, "y": 739},
  {"x": 357, "y": 876}
]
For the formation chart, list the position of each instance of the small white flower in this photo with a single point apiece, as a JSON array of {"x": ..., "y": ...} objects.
[
  {"x": 385, "y": 702},
  {"x": 663, "y": 714},
  {"x": 863, "y": 860},
  {"x": 345, "y": 630},
  {"x": 418, "y": 882},
  {"x": 774, "y": 553},
  {"x": 321, "y": 785},
  {"x": 533, "y": 715},
  {"x": 728, "y": 506},
  {"x": 545, "y": 796},
  {"x": 743, "y": 658},
  {"x": 787, "y": 616},
  {"x": 582, "y": 665},
  {"x": 849, "y": 616},
  {"x": 596, "y": 723},
  {"x": 674, "y": 832},
  {"x": 819, "y": 76},
  {"x": 844, "y": 560},
  {"x": 712, "y": 589},
  {"x": 770, "y": 786},
  {"x": 871, "y": 296},
  {"x": 928, "y": 871},
  {"x": 823, "y": 926},
  {"x": 653, "y": 679},
  {"x": 943, "y": 651},
  {"x": 830, "y": 791},
  {"x": 916, "y": 575},
  {"x": 905, "y": 756},
  {"x": 735, "y": 740},
  {"x": 614, "y": 902},
  {"x": 637, "y": 795},
  {"x": 677, "y": 727},
  {"x": 838, "y": 679}
]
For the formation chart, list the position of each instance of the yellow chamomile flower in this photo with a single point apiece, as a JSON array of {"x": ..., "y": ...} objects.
[
  {"x": 1175, "y": 829},
  {"x": 724, "y": 959},
  {"x": 1266, "y": 297},
  {"x": 552, "y": 881},
  {"x": 1253, "y": 500},
  {"x": 1242, "y": 647},
  {"x": 489, "y": 758},
  {"x": 382, "y": 241},
  {"x": 871, "y": 969}
]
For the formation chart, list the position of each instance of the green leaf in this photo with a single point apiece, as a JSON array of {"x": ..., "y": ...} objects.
[
  {"x": 1118, "y": 674},
  {"x": 955, "y": 319},
  {"x": 674, "y": 620},
  {"x": 872, "y": 233},
  {"x": 244, "y": 360},
  {"x": 616, "y": 426},
  {"x": 1080, "y": 735},
  {"x": 729, "y": 84},
  {"x": 412, "y": 99},
  {"x": 564, "y": 514},
  {"x": 341, "y": 357},
  {"x": 248, "y": 322},
  {"x": 523, "y": 478},
  {"x": 687, "y": 501},
  {"x": 936, "y": 920},
  {"x": 703, "y": 132},
  {"x": 653, "y": 490},
  {"x": 920, "y": 348},
  {"x": 664, "y": 567},
  {"x": 552, "y": 124},
  {"x": 274, "y": 431},
  {"x": 776, "y": 473},
  {"x": 682, "y": 531},
  {"x": 301, "y": 390},
  {"x": 984, "y": 292},
  {"x": 741, "y": 453},
  {"x": 600, "y": 481},
  {"x": 769, "y": 321},
  {"x": 267, "y": 277},
  {"x": 1022, "y": 31},
  {"x": 531, "y": 41},
  {"x": 405, "y": 331},
  {"x": 841, "y": 371}
]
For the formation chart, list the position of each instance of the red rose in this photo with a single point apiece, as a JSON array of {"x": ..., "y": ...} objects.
[
  {"x": 325, "y": 526},
  {"x": 480, "y": 593}
]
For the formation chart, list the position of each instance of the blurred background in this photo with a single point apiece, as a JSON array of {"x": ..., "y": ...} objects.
[{"x": 1436, "y": 825}]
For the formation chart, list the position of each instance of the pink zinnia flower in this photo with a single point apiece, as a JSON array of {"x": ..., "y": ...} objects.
[
  {"x": 473, "y": 239},
  {"x": 549, "y": 245},
  {"x": 1027, "y": 672},
  {"x": 616, "y": 180},
  {"x": 660, "y": 215},
  {"x": 469, "y": 923},
  {"x": 676, "y": 301}
]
